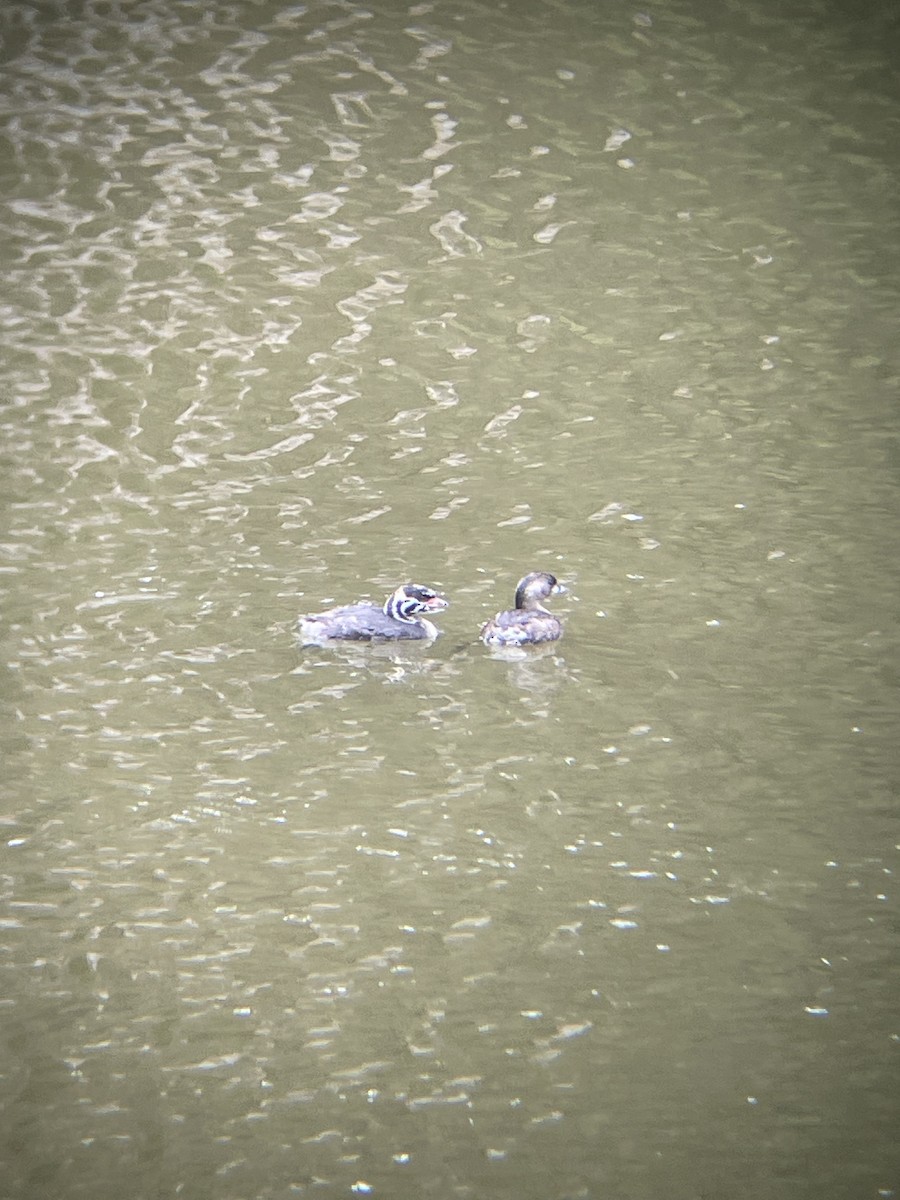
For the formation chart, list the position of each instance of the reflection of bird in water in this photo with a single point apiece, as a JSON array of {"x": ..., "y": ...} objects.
[
  {"x": 536, "y": 672},
  {"x": 397, "y": 620},
  {"x": 529, "y": 623}
]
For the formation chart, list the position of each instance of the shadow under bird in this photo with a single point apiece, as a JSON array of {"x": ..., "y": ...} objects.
[
  {"x": 528, "y": 623},
  {"x": 399, "y": 618}
]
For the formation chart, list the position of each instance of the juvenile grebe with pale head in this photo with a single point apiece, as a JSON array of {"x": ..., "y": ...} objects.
[{"x": 529, "y": 623}]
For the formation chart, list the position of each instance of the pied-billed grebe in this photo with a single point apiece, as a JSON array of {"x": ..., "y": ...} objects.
[
  {"x": 529, "y": 623},
  {"x": 365, "y": 622}
]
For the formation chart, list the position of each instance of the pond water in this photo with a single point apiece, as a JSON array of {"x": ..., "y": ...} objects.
[{"x": 305, "y": 301}]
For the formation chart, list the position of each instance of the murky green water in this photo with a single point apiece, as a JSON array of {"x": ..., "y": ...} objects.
[{"x": 301, "y": 302}]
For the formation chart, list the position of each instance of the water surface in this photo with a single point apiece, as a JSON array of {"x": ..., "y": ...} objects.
[{"x": 304, "y": 301}]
